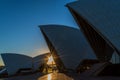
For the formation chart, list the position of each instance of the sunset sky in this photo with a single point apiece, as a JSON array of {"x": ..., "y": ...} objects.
[{"x": 19, "y": 20}]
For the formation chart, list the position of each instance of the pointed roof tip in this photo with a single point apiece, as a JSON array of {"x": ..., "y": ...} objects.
[
  {"x": 49, "y": 25},
  {"x": 68, "y": 4},
  {"x": 56, "y": 25}
]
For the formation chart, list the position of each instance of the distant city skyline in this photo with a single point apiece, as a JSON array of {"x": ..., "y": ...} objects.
[{"x": 19, "y": 21}]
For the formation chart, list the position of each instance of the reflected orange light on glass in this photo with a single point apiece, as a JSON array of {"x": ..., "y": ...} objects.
[
  {"x": 49, "y": 77},
  {"x": 50, "y": 60}
]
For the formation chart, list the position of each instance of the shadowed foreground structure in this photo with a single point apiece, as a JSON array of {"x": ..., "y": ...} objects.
[
  {"x": 38, "y": 76},
  {"x": 58, "y": 76}
]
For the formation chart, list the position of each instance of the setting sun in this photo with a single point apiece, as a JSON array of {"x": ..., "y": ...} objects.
[{"x": 50, "y": 60}]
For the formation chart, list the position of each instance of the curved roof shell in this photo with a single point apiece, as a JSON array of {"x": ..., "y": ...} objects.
[
  {"x": 99, "y": 21},
  {"x": 39, "y": 60},
  {"x": 13, "y": 62},
  {"x": 68, "y": 44}
]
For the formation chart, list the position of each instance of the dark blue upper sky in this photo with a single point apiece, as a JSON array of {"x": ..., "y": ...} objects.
[{"x": 19, "y": 20}]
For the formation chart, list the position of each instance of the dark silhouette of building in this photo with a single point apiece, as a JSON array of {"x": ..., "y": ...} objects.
[{"x": 99, "y": 20}]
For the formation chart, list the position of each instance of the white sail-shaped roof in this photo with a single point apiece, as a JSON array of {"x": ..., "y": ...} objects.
[
  {"x": 99, "y": 20},
  {"x": 68, "y": 44},
  {"x": 40, "y": 60},
  {"x": 13, "y": 62}
]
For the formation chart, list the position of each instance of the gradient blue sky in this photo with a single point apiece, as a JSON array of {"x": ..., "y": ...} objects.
[{"x": 19, "y": 20}]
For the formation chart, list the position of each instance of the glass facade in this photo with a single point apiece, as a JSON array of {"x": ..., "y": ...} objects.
[{"x": 115, "y": 58}]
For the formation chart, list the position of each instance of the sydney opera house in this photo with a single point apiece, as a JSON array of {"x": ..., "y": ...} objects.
[
  {"x": 99, "y": 22},
  {"x": 67, "y": 46},
  {"x": 99, "y": 25},
  {"x": 16, "y": 63},
  {"x": 92, "y": 50}
]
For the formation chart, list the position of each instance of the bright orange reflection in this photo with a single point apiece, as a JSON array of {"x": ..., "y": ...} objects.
[
  {"x": 49, "y": 77},
  {"x": 50, "y": 60}
]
